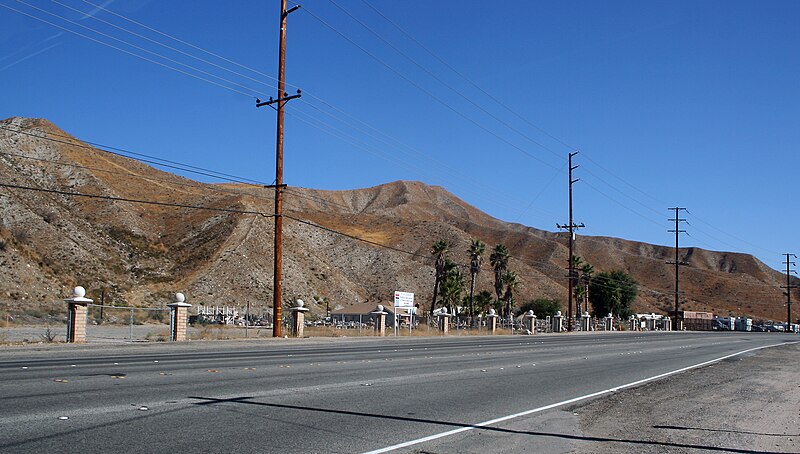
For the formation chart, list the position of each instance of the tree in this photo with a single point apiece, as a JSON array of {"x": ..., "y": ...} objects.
[
  {"x": 541, "y": 307},
  {"x": 451, "y": 286},
  {"x": 499, "y": 261},
  {"x": 585, "y": 272},
  {"x": 613, "y": 293},
  {"x": 476, "y": 250},
  {"x": 439, "y": 251},
  {"x": 483, "y": 300},
  {"x": 511, "y": 282}
]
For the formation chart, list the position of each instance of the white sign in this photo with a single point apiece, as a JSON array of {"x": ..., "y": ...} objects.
[{"x": 403, "y": 299}]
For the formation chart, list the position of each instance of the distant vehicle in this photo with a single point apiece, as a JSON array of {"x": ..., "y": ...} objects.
[{"x": 724, "y": 323}]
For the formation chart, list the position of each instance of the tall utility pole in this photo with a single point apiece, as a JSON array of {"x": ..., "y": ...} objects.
[
  {"x": 571, "y": 227},
  {"x": 283, "y": 97},
  {"x": 677, "y": 262},
  {"x": 789, "y": 263}
]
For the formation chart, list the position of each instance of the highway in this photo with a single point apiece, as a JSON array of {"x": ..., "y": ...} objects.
[{"x": 453, "y": 394}]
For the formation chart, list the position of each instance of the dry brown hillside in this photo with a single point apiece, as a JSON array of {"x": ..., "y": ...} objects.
[{"x": 52, "y": 240}]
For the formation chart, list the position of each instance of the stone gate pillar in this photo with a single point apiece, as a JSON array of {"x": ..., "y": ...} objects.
[
  {"x": 530, "y": 319},
  {"x": 380, "y": 320},
  {"x": 586, "y": 322},
  {"x": 178, "y": 315},
  {"x": 77, "y": 310},
  {"x": 491, "y": 321},
  {"x": 444, "y": 321},
  {"x": 299, "y": 318},
  {"x": 558, "y": 322}
]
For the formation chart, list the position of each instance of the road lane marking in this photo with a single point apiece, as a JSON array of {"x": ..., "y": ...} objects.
[{"x": 565, "y": 402}]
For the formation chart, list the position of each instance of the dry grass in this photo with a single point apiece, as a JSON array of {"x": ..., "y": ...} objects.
[
  {"x": 224, "y": 332},
  {"x": 161, "y": 335},
  {"x": 420, "y": 331}
]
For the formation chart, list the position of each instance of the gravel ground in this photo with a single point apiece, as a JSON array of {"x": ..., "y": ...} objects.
[{"x": 745, "y": 404}]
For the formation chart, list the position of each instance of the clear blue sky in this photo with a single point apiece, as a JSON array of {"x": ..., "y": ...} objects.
[{"x": 670, "y": 103}]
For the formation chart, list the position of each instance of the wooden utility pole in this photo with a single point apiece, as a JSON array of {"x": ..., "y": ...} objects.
[
  {"x": 789, "y": 263},
  {"x": 279, "y": 186},
  {"x": 677, "y": 262},
  {"x": 571, "y": 227}
]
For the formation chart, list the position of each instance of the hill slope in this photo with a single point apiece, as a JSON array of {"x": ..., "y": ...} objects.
[{"x": 210, "y": 242}]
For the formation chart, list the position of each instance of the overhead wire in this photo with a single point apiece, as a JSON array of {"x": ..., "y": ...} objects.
[
  {"x": 171, "y": 60},
  {"x": 249, "y": 95},
  {"x": 130, "y": 200},
  {"x": 542, "y": 130},
  {"x": 491, "y": 96},
  {"x": 172, "y": 48},
  {"x": 444, "y": 83},
  {"x": 228, "y": 60},
  {"x": 143, "y": 158},
  {"x": 426, "y": 91},
  {"x": 186, "y": 43}
]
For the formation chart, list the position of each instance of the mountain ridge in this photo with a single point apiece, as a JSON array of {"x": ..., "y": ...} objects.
[{"x": 210, "y": 242}]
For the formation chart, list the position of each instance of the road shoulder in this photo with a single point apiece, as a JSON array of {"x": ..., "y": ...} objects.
[{"x": 743, "y": 404}]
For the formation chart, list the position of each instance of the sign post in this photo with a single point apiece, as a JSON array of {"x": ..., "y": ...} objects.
[{"x": 403, "y": 300}]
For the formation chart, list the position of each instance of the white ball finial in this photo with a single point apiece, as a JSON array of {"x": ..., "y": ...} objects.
[
  {"x": 300, "y": 303},
  {"x": 379, "y": 308},
  {"x": 180, "y": 297},
  {"x": 491, "y": 311},
  {"x": 78, "y": 292},
  {"x": 530, "y": 313},
  {"x": 558, "y": 313}
]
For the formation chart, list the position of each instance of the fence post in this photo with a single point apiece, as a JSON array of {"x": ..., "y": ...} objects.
[
  {"x": 558, "y": 322},
  {"x": 491, "y": 321},
  {"x": 298, "y": 318},
  {"x": 585, "y": 321},
  {"x": 610, "y": 322},
  {"x": 77, "y": 312},
  {"x": 444, "y": 321},
  {"x": 178, "y": 314},
  {"x": 530, "y": 317}
]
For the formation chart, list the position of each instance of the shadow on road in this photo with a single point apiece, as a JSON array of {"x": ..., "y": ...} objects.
[
  {"x": 245, "y": 400},
  {"x": 726, "y": 431}
]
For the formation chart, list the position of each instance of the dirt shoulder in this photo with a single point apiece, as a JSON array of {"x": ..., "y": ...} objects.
[{"x": 747, "y": 403}]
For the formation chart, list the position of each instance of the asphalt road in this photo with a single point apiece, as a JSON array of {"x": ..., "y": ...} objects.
[{"x": 338, "y": 396}]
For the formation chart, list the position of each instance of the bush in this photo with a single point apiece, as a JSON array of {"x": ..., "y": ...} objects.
[{"x": 542, "y": 307}]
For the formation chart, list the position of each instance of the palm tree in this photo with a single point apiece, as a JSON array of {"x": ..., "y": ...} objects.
[
  {"x": 483, "y": 300},
  {"x": 499, "y": 261},
  {"x": 511, "y": 282},
  {"x": 584, "y": 273},
  {"x": 439, "y": 250},
  {"x": 476, "y": 250},
  {"x": 451, "y": 286}
]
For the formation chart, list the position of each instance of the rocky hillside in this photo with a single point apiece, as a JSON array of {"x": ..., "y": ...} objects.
[{"x": 212, "y": 243}]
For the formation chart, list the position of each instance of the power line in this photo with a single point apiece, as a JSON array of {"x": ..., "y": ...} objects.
[
  {"x": 151, "y": 159},
  {"x": 174, "y": 49},
  {"x": 103, "y": 8},
  {"x": 125, "y": 199},
  {"x": 129, "y": 52},
  {"x": 428, "y": 92},
  {"x": 171, "y": 60},
  {"x": 438, "y": 79}
]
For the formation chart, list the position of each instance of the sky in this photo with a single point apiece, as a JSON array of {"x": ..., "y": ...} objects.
[{"x": 667, "y": 103}]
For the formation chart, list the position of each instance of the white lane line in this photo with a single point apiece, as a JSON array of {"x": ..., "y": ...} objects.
[{"x": 565, "y": 402}]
